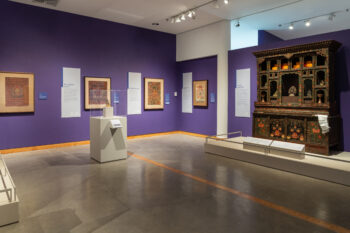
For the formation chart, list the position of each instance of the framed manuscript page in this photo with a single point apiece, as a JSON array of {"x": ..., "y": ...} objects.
[
  {"x": 16, "y": 92},
  {"x": 97, "y": 92},
  {"x": 200, "y": 93},
  {"x": 154, "y": 93}
]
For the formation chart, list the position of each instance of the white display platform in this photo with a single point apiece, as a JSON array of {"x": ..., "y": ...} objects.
[
  {"x": 108, "y": 138},
  {"x": 288, "y": 149},
  {"x": 9, "y": 203},
  {"x": 257, "y": 144},
  {"x": 319, "y": 167}
]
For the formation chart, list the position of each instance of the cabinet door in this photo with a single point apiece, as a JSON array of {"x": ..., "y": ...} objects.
[
  {"x": 261, "y": 126},
  {"x": 315, "y": 135}
]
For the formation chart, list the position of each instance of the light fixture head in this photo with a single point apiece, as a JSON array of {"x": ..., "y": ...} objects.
[
  {"x": 331, "y": 17},
  {"x": 183, "y": 17},
  {"x": 226, "y": 2},
  {"x": 307, "y": 23},
  {"x": 172, "y": 20},
  {"x": 189, "y": 14},
  {"x": 238, "y": 24},
  {"x": 177, "y": 19},
  {"x": 291, "y": 26}
]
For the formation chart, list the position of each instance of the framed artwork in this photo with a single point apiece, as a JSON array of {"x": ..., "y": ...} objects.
[
  {"x": 200, "y": 93},
  {"x": 97, "y": 92},
  {"x": 154, "y": 93},
  {"x": 16, "y": 92}
]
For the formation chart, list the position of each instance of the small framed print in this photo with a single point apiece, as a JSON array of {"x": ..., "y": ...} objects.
[
  {"x": 16, "y": 92},
  {"x": 200, "y": 93},
  {"x": 154, "y": 93},
  {"x": 97, "y": 92}
]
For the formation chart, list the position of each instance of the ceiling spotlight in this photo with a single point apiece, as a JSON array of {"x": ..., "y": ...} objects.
[
  {"x": 291, "y": 26},
  {"x": 177, "y": 19},
  {"x": 190, "y": 14},
  {"x": 183, "y": 17},
  {"x": 331, "y": 17},
  {"x": 172, "y": 20},
  {"x": 307, "y": 23},
  {"x": 226, "y": 2},
  {"x": 237, "y": 24}
]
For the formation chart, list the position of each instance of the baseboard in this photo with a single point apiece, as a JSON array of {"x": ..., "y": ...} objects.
[{"x": 68, "y": 144}]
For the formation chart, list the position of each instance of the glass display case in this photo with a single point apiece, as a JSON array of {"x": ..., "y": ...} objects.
[{"x": 107, "y": 103}]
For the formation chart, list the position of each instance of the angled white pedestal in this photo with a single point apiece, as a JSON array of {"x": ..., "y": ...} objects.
[
  {"x": 108, "y": 138},
  {"x": 9, "y": 203}
]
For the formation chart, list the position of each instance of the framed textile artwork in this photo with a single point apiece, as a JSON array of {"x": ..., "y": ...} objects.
[
  {"x": 200, "y": 93},
  {"x": 97, "y": 92},
  {"x": 154, "y": 93},
  {"x": 16, "y": 92}
]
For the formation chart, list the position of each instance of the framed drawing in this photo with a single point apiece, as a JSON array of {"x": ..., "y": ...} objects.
[
  {"x": 97, "y": 92},
  {"x": 200, "y": 93},
  {"x": 154, "y": 93},
  {"x": 16, "y": 92}
]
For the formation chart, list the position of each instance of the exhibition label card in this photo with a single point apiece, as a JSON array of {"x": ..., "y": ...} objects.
[{"x": 70, "y": 93}]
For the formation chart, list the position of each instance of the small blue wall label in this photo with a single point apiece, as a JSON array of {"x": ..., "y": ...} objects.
[
  {"x": 116, "y": 98},
  {"x": 212, "y": 97},
  {"x": 167, "y": 98},
  {"x": 43, "y": 95}
]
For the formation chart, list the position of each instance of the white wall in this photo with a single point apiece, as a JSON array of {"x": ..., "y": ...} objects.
[{"x": 207, "y": 41}]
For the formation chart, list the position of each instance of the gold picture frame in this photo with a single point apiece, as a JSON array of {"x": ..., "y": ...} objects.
[
  {"x": 97, "y": 92},
  {"x": 200, "y": 93},
  {"x": 154, "y": 94},
  {"x": 16, "y": 92}
]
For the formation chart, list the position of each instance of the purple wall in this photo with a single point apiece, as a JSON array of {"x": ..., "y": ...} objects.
[
  {"x": 265, "y": 37},
  {"x": 201, "y": 120},
  {"x": 43, "y": 41},
  {"x": 243, "y": 58}
]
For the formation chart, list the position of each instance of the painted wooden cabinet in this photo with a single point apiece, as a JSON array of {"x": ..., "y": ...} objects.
[{"x": 294, "y": 85}]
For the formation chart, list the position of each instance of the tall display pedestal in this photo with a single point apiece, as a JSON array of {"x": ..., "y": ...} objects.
[{"x": 108, "y": 138}]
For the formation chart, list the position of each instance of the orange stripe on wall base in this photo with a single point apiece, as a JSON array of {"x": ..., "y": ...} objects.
[
  {"x": 43, "y": 147},
  {"x": 67, "y": 144}
]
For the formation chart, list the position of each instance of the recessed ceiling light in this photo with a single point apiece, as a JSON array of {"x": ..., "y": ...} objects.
[
  {"x": 291, "y": 26},
  {"x": 307, "y": 23},
  {"x": 226, "y": 2}
]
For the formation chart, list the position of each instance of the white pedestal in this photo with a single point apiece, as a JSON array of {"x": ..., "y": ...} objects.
[
  {"x": 108, "y": 143},
  {"x": 9, "y": 203}
]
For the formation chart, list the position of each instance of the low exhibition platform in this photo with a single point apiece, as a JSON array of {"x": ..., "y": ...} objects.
[{"x": 335, "y": 168}]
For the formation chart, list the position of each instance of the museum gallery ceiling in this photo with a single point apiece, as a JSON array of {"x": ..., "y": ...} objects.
[{"x": 257, "y": 14}]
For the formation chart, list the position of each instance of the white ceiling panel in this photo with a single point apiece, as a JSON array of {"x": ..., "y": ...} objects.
[{"x": 258, "y": 14}]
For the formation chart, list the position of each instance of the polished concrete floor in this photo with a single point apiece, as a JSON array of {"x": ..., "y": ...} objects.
[{"x": 63, "y": 190}]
